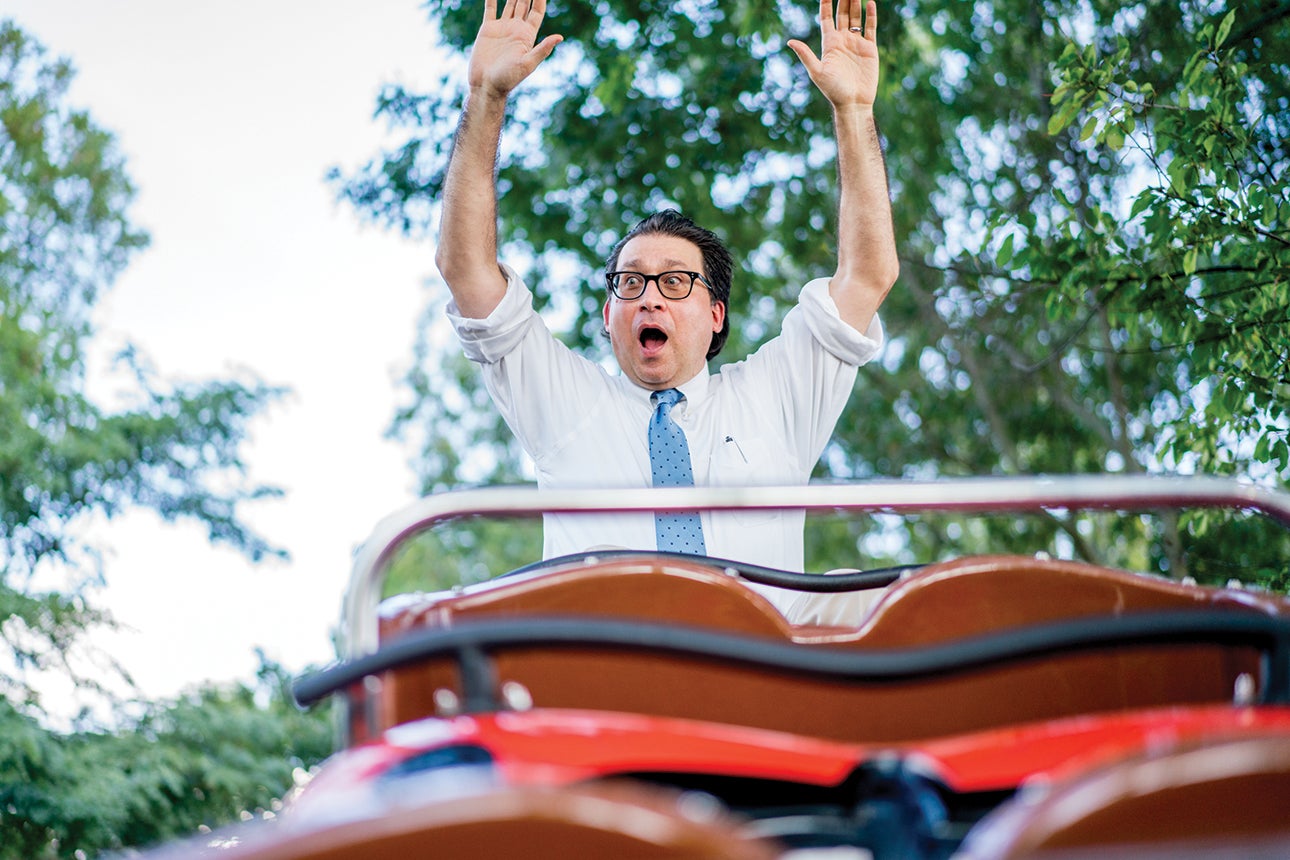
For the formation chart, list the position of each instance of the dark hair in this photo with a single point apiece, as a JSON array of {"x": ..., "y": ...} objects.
[{"x": 718, "y": 265}]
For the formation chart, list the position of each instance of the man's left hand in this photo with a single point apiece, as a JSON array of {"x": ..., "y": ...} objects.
[{"x": 847, "y": 69}]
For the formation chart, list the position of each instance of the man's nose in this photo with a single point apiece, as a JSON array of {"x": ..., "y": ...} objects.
[{"x": 653, "y": 296}]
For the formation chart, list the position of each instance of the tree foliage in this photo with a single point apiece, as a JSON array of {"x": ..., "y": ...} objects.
[
  {"x": 1091, "y": 203},
  {"x": 215, "y": 755},
  {"x": 174, "y": 448}
]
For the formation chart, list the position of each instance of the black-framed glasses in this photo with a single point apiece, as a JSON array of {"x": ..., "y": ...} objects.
[{"x": 673, "y": 285}]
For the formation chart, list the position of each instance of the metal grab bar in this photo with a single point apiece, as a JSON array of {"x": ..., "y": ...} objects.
[{"x": 973, "y": 495}]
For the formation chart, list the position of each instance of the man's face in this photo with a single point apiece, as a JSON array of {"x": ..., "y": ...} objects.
[{"x": 659, "y": 342}]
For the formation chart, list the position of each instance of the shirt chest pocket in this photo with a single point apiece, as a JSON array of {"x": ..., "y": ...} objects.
[{"x": 750, "y": 461}]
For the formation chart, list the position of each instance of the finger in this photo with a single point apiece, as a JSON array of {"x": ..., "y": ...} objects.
[
  {"x": 539, "y": 52},
  {"x": 543, "y": 49},
  {"x": 854, "y": 21},
  {"x": 805, "y": 54},
  {"x": 844, "y": 15},
  {"x": 871, "y": 21},
  {"x": 826, "y": 15},
  {"x": 537, "y": 11},
  {"x": 490, "y": 10},
  {"x": 508, "y": 11}
]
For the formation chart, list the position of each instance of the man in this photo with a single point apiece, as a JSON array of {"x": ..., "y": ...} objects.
[{"x": 765, "y": 420}]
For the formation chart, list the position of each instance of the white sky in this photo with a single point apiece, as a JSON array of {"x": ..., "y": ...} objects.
[{"x": 228, "y": 116}]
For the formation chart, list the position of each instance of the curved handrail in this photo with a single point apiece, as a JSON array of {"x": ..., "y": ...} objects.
[
  {"x": 832, "y": 584},
  {"x": 974, "y": 495},
  {"x": 472, "y": 645}
]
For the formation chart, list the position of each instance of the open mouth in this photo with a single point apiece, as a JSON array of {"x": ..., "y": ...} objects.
[{"x": 652, "y": 339}]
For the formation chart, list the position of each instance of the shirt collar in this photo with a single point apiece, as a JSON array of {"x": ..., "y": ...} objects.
[{"x": 695, "y": 390}]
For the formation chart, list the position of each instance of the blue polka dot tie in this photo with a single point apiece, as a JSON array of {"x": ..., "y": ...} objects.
[{"x": 669, "y": 458}]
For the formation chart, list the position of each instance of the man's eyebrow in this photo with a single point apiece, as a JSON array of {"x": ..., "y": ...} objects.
[{"x": 671, "y": 262}]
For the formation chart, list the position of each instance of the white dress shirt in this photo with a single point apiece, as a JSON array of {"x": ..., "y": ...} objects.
[{"x": 761, "y": 421}]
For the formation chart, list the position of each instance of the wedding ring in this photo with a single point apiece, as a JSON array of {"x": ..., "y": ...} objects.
[{"x": 856, "y": 30}]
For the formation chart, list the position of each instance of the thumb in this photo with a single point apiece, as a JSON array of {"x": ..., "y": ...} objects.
[
  {"x": 805, "y": 54},
  {"x": 543, "y": 49}
]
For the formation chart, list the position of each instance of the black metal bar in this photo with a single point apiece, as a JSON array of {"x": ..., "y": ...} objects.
[
  {"x": 1277, "y": 683},
  {"x": 1270, "y": 634},
  {"x": 478, "y": 680},
  {"x": 812, "y": 582}
]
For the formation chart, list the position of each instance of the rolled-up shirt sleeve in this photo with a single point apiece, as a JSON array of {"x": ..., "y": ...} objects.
[
  {"x": 828, "y": 328},
  {"x": 491, "y": 339}
]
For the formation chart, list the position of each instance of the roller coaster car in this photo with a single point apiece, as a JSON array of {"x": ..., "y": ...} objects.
[{"x": 641, "y": 704}]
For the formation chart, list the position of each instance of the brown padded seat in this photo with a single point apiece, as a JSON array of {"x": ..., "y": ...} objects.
[
  {"x": 642, "y": 589},
  {"x": 537, "y": 824},
  {"x": 1221, "y": 798},
  {"x": 987, "y": 593},
  {"x": 940, "y": 603}
]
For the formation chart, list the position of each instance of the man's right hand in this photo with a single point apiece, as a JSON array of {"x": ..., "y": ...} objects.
[{"x": 504, "y": 53}]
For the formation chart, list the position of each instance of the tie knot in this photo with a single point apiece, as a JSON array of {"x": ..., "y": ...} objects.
[{"x": 668, "y": 397}]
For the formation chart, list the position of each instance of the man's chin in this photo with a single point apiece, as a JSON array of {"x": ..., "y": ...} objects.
[
  {"x": 654, "y": 382},
  {"x": 651, "y": 373}
]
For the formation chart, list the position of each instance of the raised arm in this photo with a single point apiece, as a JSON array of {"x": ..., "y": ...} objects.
[
  {"x": 504, "y": 54},
  {"x": 846, "y": 72}
]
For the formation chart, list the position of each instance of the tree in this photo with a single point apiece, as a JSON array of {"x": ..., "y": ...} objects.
[
  {"x": 65, "y": 235},
  {"x": 215, "y": 755},
  {"x": 1091, "y": 205},
  {"x": 175, "y": 449}
]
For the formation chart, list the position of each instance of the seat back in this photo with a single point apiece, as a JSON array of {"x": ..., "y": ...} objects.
[
  {"x": 941, "y": 604},
  {"x": 534, "y": 823},
  {"x": 1219, "y": 798},
  {"x": 641, "y": 588},
  {"x": 983, "y": 594}
]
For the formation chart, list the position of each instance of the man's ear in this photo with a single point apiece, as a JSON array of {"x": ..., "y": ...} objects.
[
  {"x": 718, "y": 315},
  {"x": 605, "y": 312}
]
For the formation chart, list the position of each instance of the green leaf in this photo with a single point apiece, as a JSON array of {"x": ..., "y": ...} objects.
[
  {"x": 1224, "y": 28},
  {"x": 1068, "y": 111},
  {"x": 1141, "y": 203},
  {"x": 1005, "y": 251}
]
